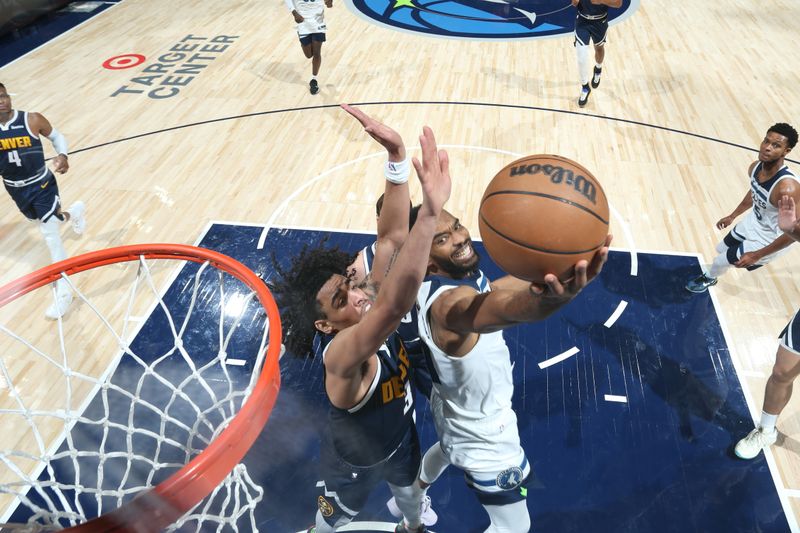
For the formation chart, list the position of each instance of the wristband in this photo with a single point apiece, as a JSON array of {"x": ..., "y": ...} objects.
[{"x": 397, "y": 171}]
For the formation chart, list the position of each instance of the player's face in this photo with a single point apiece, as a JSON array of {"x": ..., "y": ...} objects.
[
  {"x": 343, "y": 304},
  {"x": 5, "y": 102},
  {"x": 452, "y": 252},
  {"x": 774, "y": 147}
]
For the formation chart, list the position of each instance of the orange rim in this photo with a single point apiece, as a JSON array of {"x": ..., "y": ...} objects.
[{"x": 162, "y": 505}]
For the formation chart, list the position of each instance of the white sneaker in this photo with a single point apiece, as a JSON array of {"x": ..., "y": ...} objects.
[
  {"x": 427, "y": 514},
  {"x": 59, "y": 307},
  {"x": 76, "y": 212},
  {"x": 754, "y": 442}
]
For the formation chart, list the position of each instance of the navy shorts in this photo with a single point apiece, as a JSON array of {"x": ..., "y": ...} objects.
[
  {"x": 305, "y": 40},
  {"x": 39, "y": 200},
  {"x": 590, "y": 28},
  {"x": 736, "y": 250},
  {"x": 344, "y": 488},
  {"x": 790, "y": 336}
]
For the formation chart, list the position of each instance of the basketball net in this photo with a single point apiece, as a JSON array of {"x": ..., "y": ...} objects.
[{"x": 102, "y": 418}]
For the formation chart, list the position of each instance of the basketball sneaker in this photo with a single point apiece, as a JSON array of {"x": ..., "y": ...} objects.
[
  {"x": 313, "y": 86},
  {"x": 584, "y": 97},
  {"x": 596, "y": 77},
  {"x": 754, "y": 442},
  {"x": 427, "y": 514},
  {"x": 701, "y": 283},
  {"x": 60, "y": 306},
  {"x": 401, "y": 528},
  {"x": 76, "y": 212}
]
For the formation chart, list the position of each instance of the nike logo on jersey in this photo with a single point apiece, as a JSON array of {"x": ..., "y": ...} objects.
[
  {"x": 43, "y": 185},
  {"x": 17, "y": 127}
]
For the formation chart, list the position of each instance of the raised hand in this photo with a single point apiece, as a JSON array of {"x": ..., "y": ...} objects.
[
  {"x": 386, "y": 136},
  {"x": 787, "y": 214},
  {"x": 585, "y": 272},
  {"x": 433, "y": 173}
]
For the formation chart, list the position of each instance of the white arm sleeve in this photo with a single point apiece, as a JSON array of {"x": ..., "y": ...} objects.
[
  {"x": 289, "y": 4},
  {"x": 59, "y": 142}
]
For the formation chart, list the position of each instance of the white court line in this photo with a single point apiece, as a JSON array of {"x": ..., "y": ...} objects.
[
  {"x": 616, "y": 398},
  {"x": 792, "y": 493},
  {"x": 235, "y": 362},
  {"x": 557, "y": 359},
  {"x": 616, "y": 314}
]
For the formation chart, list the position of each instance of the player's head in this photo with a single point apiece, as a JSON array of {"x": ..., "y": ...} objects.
[
  {"x": 306, "y": 294},
  {"x": 452, "y": 253},
  {"x": 5, "y": 100},
  {"x": 778, "y": 142}
]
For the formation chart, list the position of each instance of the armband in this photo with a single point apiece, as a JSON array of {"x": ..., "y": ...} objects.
[
  {"x": 59, "y": 142},
  {"x": 397, "y": 171}
]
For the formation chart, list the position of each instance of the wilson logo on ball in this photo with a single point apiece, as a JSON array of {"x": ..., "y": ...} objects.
[{"x": 559, "y": 175}]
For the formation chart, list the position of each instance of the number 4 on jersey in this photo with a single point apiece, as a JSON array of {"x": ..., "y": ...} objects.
[{"x": 13, "y": 157}]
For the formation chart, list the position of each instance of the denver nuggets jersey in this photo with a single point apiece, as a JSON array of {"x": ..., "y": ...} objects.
[
  {"x": 370, "y": 431},
  {"x": 763, "y": 224},
  {"x": 313, "y": 13},
  {"x": 471, "y": 397},
  {"x": 21, "y": 152}
]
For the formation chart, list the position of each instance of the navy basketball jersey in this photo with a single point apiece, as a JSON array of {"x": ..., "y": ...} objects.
[
  {"x": 21, "y": 151},
  {"x": 589, "y": 10},
  {"x": 370, "y": 431}
]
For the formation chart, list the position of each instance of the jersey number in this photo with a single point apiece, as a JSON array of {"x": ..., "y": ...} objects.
[{"x": 13, "y": 157}]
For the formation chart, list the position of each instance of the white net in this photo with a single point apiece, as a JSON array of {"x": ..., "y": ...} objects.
[{"x": 124, "y": 390}]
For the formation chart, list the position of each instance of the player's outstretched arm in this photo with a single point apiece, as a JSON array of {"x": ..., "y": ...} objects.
[
  {"x": 393, "y": 222},
  {"x": 512, "y": 301},
  {"x": 354, "y": 345}
]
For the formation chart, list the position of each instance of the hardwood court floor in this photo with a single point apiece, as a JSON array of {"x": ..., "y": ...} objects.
[{"x": 688, "y": 90}]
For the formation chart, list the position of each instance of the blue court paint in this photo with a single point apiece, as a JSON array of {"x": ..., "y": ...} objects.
[{"x": 660, "y": 462}]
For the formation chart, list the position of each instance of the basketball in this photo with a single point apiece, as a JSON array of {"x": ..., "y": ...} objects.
[{"x": 542, "y": 214}]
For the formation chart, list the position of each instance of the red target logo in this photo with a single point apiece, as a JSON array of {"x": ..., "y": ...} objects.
[{"x": 123, "y": 61}]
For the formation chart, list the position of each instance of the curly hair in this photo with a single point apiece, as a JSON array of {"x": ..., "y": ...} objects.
[
  {"x": 781, "y": 128},
  {"x": 296, "y": 288}
]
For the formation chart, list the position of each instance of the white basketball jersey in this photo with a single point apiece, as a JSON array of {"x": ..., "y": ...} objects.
[
  {"x": 471, "y": 396},
  {"x": 313, "y": 13},
  {"x": 761, "y": 223}
]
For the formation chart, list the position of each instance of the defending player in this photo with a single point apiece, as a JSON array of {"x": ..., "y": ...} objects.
[
  {"x": 591, "y": 25},
  {"x": 311, "y": 28},
  {"x": 757, "y": 239},
  {"x": 370, "y": 435},
  {"x": 33, "y": 186}
]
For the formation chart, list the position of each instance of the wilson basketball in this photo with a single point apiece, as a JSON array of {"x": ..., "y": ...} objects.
[{"x": 542, "y": 214}]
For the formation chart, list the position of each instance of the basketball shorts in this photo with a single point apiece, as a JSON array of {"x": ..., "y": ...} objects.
[
  {"x": 39, "y": 200},
  {"x": 594, "y": 29},
  {"x": 504, "y": 487},
  {"x": 344, "y": 488},
  {"x": 743, "y": 239},
  {"x": 305, "y": 40},
  {"x": 790, "y": 336}
]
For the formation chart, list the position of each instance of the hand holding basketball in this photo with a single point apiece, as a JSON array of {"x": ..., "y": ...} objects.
[{"x": 542, "y": 214}]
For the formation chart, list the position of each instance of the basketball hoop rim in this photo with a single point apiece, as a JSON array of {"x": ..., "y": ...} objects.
[{"x": 164, "y": 504}]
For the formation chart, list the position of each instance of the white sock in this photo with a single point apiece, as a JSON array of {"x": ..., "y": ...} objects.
[
  {"x": 598, "y": 66},
  {"x": 767, "y": 424},
  {"x": 313, "y": 77},
  {"x": 583, "y": 62},
  {"x": 52, "y": 238},
  {"x": 719, "y": 266}
]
